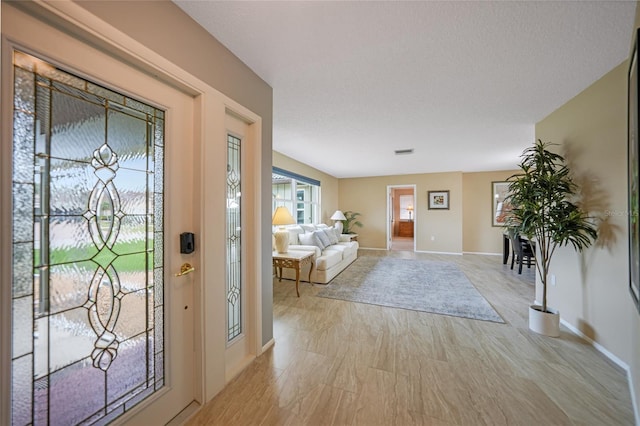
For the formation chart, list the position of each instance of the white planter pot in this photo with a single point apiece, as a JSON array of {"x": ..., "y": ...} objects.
[{"x": 546, "y": 323}]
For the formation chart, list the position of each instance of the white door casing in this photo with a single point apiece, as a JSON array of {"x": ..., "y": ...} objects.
[
  {"x": 74, "y": 55},
  {"x": 210, "y": 108}
]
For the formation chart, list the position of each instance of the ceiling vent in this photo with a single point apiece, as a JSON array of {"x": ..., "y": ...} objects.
[{"x": 403, "y": 151}]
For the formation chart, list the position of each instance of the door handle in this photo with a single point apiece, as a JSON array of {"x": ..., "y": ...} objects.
[{"x": 185, "y": 269}]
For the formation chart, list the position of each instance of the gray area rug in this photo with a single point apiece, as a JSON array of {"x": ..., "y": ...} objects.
[{"x": 419, "y": 285}]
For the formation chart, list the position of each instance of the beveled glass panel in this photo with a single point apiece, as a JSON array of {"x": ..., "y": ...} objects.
[
  {"x": 24, "y": 96},
  {"x": 77, "y": 127},
  {"x": 68, "y": 285},
  {"x": 121, "y": 378},
  {"x": 233, "y": 239},
  {"x": 159, "y": 330},
  {"x": 41, "y": 401},
  {"x": 22, "y": 323},
  {"x": 77, "y": 392},
  {"x": 105, "y": 93},
  {"x": 139, "y": 106},
  {"x": 132, "y": 189},
  {"x": 158, "y": 284},
  {"x": 22, "y": 212},
  {"x": 159, "y": 131},
  {"x": 73, "y": 337},
  {"x": 158, "y": 211},
  {"x": 41, "y": 348},
  {"x": 22, "y": 269},
  {"x": 128, "y": 137},
  {"x": 84, "y": 213},
  {"x": 159, "y": 173},
  {"x": 82, "y": 94},
  {"x": 132, "y": 319},
  {"x": 105, "y": 213},
  {"x": 21, "y": 384},
  {"x": 158, "y": 249},
  {"x": 132, "y": 272},
  {"x": 70, "y": 240},
  {"x": 70, "y": 184},
  {"x": 132, "y": 236},
  {"x": 23, "y": 141}
]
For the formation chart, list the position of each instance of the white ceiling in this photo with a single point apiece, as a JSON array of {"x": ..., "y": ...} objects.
[{"x": 462, "y": 83}]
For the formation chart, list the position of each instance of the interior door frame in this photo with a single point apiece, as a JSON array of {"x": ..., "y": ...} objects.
[
  {"x": 210, "y": 107},
  {"x": 389, "y": 217}
]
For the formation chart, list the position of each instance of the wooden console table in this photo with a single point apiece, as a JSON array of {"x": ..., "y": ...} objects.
[{"x": 295, "y": 260}]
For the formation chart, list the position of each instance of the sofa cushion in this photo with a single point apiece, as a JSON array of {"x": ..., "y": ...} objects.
[
  {"x": 328, "y": 259},
  {"x": 312, "y": 248},
  {"x": 345, "y": 249}
]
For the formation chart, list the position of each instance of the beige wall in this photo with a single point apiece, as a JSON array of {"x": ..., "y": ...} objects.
[
  {"x": 164, "y": 28},
  {"x": 368, "y": 196},
  {"x": 592, "y": 288},
  {"x": 328, "y": 183},
  {"x": 478, "y": 234}
]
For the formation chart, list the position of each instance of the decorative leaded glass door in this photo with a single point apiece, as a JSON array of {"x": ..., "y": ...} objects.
[{"x": 88, "y": 291}]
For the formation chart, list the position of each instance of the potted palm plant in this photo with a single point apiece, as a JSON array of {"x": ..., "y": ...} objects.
[
  {"x": 350, "y": 222},
  {"x": 544, "y": 201}
]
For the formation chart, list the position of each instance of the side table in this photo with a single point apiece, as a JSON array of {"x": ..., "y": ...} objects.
[{"x": 295, "y": 260}]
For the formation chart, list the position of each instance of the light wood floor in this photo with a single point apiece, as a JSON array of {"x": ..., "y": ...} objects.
[
  {"x": 344, "y": 363},
  {"x": 402, "y": 243}
]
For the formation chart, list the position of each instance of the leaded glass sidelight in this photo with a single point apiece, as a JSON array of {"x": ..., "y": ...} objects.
[
  {"x": 234, "y": 271},
  {"x": 87, "y": 290}
]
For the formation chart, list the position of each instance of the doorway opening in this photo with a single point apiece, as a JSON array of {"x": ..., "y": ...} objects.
[{"x": 401, "y": 218}]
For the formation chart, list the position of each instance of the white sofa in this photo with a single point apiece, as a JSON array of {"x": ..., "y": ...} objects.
[{"x": 329, "y": 260}]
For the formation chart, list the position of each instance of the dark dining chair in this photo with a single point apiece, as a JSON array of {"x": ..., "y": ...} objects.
[{"x": 521, "y": 249}]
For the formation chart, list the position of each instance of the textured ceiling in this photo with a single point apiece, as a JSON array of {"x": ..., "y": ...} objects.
[{"x": 462, "y": 83}]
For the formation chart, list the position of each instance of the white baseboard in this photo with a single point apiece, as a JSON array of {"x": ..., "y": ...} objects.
[
  {"x": 620, "y": 363},
  {"x": 267, "y": 345},
  {"x": 614, "y": 359},
  {"x": 482, "y": 253},
  {"x": 438, "y": 252}
]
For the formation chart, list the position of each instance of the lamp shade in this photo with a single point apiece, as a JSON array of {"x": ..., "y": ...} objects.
[
  {"x": 282, "y": 217},
  {"x": 338, "y": 215}
]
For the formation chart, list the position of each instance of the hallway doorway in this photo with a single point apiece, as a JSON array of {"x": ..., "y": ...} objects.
[{"x": 401, "y": 214}]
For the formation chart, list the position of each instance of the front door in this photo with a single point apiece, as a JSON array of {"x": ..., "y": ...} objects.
[{"x": 101, "y": 326}]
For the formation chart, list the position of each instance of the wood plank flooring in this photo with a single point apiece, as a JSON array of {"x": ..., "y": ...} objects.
[{"x": 344, "y": 363}]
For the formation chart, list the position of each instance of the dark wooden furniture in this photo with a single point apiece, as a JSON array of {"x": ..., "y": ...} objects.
[{"x": 405, "y": 229}]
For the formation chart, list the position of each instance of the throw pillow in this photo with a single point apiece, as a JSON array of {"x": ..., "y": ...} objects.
[
  {"x": 333, "y": 238},
  {"x": 324, "y": 240},
  {"x": 308, "y": 228},
  {"x": 307, "y": 239}
]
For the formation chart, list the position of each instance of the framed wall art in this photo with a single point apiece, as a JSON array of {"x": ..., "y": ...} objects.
[
  {"x": 632, "y": 169},
  {"x": 438, "y": 200},
  {"x": 499, "y": 207}
]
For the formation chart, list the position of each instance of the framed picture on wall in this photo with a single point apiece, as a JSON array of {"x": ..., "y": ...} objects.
[
  {"x": 633, "y": 170},
  {"x": 500, "y": 208},
  {"x": 438, "y": 200}
]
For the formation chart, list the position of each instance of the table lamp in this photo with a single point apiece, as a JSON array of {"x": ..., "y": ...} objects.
[
  {"x": 410, "y": 210},
  {"x": 338, "y": 217},
  {"x": 282, "y": 217}
]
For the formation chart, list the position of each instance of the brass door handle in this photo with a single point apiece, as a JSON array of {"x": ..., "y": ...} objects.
[{"x": 185, "y": 269}]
